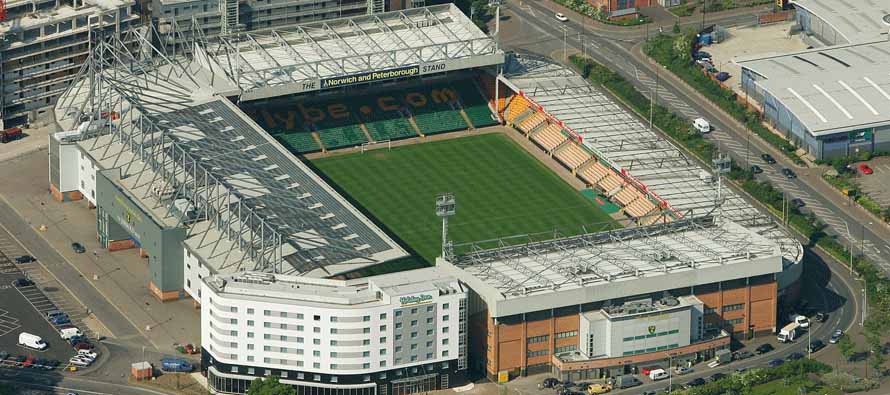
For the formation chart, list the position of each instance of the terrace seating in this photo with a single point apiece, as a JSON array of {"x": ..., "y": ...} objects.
[
  {"x": 342, "y": 136},
  {"x": 627, "y": 195},
  {"x": 594, "y": 173},
  {"x": 530, "y": 123},
  {"x": 549, "y": 137},
  {"x": 517, "y": 106},
  {"x": 434, "y": 117},
  {"x": 572, "y": 156},
  {"x": 475, "y": 106},
  {"x": 386, "y": 125},
  {"x": 301, "y": 142},
  {"x": 640, "y": 208},
  {"x": 610, "y": 183}
]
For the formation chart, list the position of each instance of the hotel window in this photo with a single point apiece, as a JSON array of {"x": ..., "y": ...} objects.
[
  {"x": 382, "y": 351},
  {"x": 429, "y": 308},
  {"x": 710, "y": 310},
  {"x": 383, "y": 340},
  {"x": 383, "y": 365},
  {"x": 563, "y": 335},
  {"x": 413, "y": 322},
  {"x": 398, "y": 348},
  {"x": 429, "y": 355},
  {"x": 316, "y": 353},
  {"x": 382, "y": 328},
  {"x": 399, "y": 313},
  {"x": 300, "y": 316},
  {"x": 444, "y": 342},
  {"x": 429, "y": 332},
  {"x": 333, "y": 319},
  {"x": 250, "y": 311},
  {"x": 445, "y": 353},
  {"x": 733, "y": 307},
  {"x": 382, "y": 316},
  {"x": 366, "y": 318},
  {"x": 538, "y": 339},
  {"x": 538, "y": 353},
  {"x": 445, "y": 306},
  {"x": 445, "y": 317},
  {"x": 249, "y": 322},
  {"x": 444, "y": 329}
]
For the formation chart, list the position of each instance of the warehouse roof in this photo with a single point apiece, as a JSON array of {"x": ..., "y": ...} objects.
[
  {"x": 834, "y": 89},
  {"x": 855, "y": 20},
  {"x": 346, "y": 51}
]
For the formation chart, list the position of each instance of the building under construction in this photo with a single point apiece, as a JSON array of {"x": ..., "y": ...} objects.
[{"x": 43, "y": 44}]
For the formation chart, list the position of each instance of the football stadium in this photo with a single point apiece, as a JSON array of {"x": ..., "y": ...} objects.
[{"x": 431, "y": 207}]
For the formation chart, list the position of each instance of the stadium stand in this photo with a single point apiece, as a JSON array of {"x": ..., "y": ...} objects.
[
  {"x": 639, "y": 208},
  {"x": 386, "y": 125},
  {"x": 652, "y": 219},
  {"x": 301, "y": 142},
  {"x": 531, "y": 122},
  {"x": 517, "y": 106},
  {"x": 610, "y": 183},
  {"x": 594, "y": 173},
  {"x": 572, "y": 156},
  {"x": 435, "y": 109},
  {"x": 475, "y": 106},
  {"x": 549, "y": 137},
  {"x": 627, "y": 195}
]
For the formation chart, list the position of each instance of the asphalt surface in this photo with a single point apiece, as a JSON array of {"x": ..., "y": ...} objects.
[{"x": 540, "y": 33}]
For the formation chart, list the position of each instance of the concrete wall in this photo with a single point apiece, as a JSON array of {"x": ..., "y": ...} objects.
[{"x": 162, "y": 244}]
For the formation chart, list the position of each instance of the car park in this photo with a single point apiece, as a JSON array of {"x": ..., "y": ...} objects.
[
  {"x": 836, "y": 336},
  {"x": 78, "y": 248},
  {"x": 22, "y": 282},
  {"x": 788, "y": 173},
  {"x": 756, "y": 169},
  {"x": 562, "y": 18},
  {"x": 768, "y": 158},
  {"x": 764, "y": 348},
  {"x": 815, "y": 345},
  {"x": 775, "y": 362},
  {"x": 864, "y": 169},
  {"x": 794, "y": 356},
  {"x": 24, "y": 259}
]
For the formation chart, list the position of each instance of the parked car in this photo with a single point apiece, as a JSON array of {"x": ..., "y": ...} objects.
[
  {"x": 24, "y": 259},
  {"x": 681, "y": 370},
  {"x": 84, "y": 346},
  {"x": 740, "y": 355},
  {"x": 702, "y": 125},
  {"x": 52, "y": 313},
  {"x": 88, "y": 353},
  {"x": 695, "y": 382},
  {"x": 798, "y": 203},
  {"x": 177, "y": 365},
  {"x": 716, "y": 377},
  {"x": 821, "y": 317},
  {"x": 756, "y": 169},
  {"x": 788, "y": 173},
  {"x": 562, "y": 18},
  {"x": 815, "y": 345},
  {"x": 775, "y": 362},
  {"x": 768, "y": 158},
  {"x": 78, "y": 248},
  {"x": 649, "y": 392},
  {"x": 836, "y": 336},
  {"x": 722, "y": 76},
  {"x": 698, "y": 55},
  {"x": 794, "y": 356},
  {"x": 22, "y": 282},
  {"x": 550, "y": 382},
  {"x": 60, "y": 320},
  {"x": 764, "y": 348},
  {"x": 864, "y": 169},
  {"x": 80, "y": 362}
]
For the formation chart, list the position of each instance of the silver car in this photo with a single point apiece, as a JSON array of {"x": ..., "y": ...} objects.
[{"x": 836, "y": 336}]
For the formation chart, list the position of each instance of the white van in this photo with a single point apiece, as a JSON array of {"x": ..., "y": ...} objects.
[
  {"x": 702, "y": 125},
  {"x": 31, "y": 341},
  {"x": 658, "y": 374},
  {"x": 70, "y": 332}
]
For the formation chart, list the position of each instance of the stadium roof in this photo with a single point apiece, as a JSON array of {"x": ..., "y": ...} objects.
[
  {"x": 620, "y": 139},
  {"x": 614, "y": 264},
  {"x": 189, "y": 143},
  {"x": 348, "y": 51},
  {"x": 830, "y": 90},
  {"x": 855, "y": 20}
]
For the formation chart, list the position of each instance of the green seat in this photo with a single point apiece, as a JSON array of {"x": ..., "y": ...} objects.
[
  {"x": 301, "y": 142},
  {"x": 435, "y": 117},
  {"x": 475, "y": 105}
]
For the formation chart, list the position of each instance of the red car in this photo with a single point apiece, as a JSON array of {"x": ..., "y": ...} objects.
[{"x": 865, "y": 169}]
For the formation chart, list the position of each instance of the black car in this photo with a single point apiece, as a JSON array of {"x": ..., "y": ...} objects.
[
  {"x": 716, "y": 377},
  {"x": 756, "y": 169},
  {"x": 797, "y": 203},
  {"x": 649, "y": 392},
  {"x": 550, "y": 382},
  {"x": 764, "y": 348},
  {"x": 821, "y": 317},
  {"x": 775, "y": 362},
  {"x": 815, "y": 345},
  {"x": 768, "y": 158},
  {"x": 788, "y": 173},
  {"x": 22, "y": 282},
  {"x": 78, "y": 248},
  {"x": 794, "y": 356},
  {"x": 24, "y": 259},
  {"x": 695, "y": 382},
  {"x": 740, "y": 355}
]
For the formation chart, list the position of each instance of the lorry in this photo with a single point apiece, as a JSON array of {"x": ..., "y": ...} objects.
[
  {"x": 31, "y": 341},
  {"x": 627, "y": 381},
  {"x": 788, "y": 332},
  {"x": 175, "y": 365},
  {"x": 723, "y": 356},
  {"x": 10, "y": 134},
  {"x": 801, "y": 320}
]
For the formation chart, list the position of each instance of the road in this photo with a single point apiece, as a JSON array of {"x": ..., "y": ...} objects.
[{"x": 620, "y": 51}]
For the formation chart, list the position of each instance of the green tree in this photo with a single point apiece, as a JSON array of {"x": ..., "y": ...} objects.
[
  {"x": 846, "y": 345},
  {"x": 270, "y": 386},
  {"x": 677, "y": 27}
]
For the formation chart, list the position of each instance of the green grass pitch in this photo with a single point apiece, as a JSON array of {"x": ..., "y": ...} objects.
[{"x": 499, "y": 188}]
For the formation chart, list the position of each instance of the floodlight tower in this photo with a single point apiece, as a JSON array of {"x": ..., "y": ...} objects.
[{"x": 445, "y": 208}]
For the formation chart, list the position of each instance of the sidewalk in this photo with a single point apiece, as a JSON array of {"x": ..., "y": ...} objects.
[
  {"x": 811, "y": 176},
  {"x": 120, "y": 277}
]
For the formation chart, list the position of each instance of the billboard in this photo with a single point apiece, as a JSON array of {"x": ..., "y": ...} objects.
[{"x": 371, "y": 76}]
